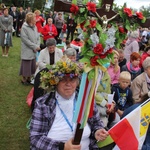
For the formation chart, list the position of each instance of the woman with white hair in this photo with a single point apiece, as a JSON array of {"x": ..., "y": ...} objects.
[
  {"x": 141, "y": 84},
  {"x": 131, "y": 45},
  {"x": 71, "y": 53}
]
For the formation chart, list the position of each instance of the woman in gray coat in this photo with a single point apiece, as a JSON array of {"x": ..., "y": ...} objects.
[
  {"x": 30, "y": 44},
  {"x": 6, "y": 25}
]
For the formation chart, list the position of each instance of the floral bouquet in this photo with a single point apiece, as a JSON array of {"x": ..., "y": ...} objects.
[{"x": 99, "y": 43}]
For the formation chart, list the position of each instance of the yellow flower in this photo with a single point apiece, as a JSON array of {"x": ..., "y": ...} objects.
[
  {"x": 52, "y": 81},
  {"x": 64, "y": 64}
]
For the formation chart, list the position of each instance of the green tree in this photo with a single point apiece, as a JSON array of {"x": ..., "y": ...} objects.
[
  {"x": 39, "y": 4},
  {"x": 145, "y": 11}
]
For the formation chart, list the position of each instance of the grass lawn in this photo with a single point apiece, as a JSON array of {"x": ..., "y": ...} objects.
[{"x": 14, "y": 112}]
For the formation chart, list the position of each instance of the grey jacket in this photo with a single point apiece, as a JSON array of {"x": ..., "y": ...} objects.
[{"x": 30, "y": 41}]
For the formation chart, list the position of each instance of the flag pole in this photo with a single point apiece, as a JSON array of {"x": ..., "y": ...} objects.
[{"x": 78, "y": 135}]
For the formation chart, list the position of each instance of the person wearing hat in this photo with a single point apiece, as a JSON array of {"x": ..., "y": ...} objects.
[
  {"x": 141, "y": 84},
  {"x": 6, "y": 25},
  {"x": 51, "y": 124}
]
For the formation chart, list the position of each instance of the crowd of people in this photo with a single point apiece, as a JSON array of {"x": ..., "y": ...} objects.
[{"x": 127, "y": 77}]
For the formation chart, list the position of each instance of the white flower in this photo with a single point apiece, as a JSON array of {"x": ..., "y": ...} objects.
[
  {"x": 95, "y": 39},
  {"x": 111, "y": 31}
]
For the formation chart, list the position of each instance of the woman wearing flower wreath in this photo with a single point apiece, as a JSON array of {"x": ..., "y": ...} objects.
[{"x": 51, "y": 124}]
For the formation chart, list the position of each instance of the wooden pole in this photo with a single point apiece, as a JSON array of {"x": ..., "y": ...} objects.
[{"x": 78, "y": 135}]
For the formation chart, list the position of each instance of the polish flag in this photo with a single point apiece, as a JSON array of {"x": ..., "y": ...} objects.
[
  {"x": 126, "y": 133},
  {"x": 130, "y": 132}
]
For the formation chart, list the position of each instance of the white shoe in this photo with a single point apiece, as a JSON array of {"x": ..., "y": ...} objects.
[
  {"x": 13, "y": 30},
  {"x": 32, "y": 81}
]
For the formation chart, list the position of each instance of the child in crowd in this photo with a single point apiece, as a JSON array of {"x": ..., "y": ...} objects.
[
  {"x": 114, "y": 69},
  {"x": 63, "y": 33},
  {"x": 66, "y": 45},
  {"x": 122, "y": 96}
]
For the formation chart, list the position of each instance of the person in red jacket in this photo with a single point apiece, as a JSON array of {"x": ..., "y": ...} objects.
[
  {"x": 39, "y": 21},
  {"x": 49, "y": 30},
  {"x": 145, "y": 54}
]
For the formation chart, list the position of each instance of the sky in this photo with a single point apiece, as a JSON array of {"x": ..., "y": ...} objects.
[
  {"x": 130, "y": 3},
  {"x": 133, "y": 3}
]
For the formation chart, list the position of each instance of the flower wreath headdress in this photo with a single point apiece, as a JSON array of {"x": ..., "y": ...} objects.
[{"x": 65, "y": 67}]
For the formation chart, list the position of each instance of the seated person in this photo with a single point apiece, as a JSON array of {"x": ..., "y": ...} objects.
[
  {"x": 122, "y": 61},
  {"x": 141, "y": 84},
  {"x": 71, "y": 53},
  {"x": 101, "y": 97},
  {"x": 67, "y": 45},
  {"x": 50, "y": 55},
  {"x": 133, "y": 66},
  {"x": 51, "y": 124},
  {"x": 145, "y": 54},
  {"x": 114, "y": 69},
  {"x": 77, "y": 44},
  {"x": 123, "y": 95}
]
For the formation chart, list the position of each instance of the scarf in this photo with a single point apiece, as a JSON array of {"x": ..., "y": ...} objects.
[{"x": 132, "y": 69}]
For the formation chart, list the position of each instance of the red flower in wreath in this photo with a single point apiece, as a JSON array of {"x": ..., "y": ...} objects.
[
  {"x": 93, "y": 60},
  {"x": 139, "y": 15},
  {"x": 91, "y": 6},
  {"x": 102, "y": 56},
  {"x": 128, "y": 11},
  {"x": 121, "y": 30},
  {"x": 93, "y": 23},
  {"x": 98, "y": 49},
  {"x": 109, "y": 51},
  {"x": 74, "y": 9},
  {"x": 82, "y": 25}
]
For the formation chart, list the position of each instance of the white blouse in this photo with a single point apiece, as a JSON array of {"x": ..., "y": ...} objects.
[{"x": 60, "y": 130}]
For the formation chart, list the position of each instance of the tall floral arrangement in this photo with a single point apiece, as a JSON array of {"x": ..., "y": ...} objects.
[
  {"x": 98, "y": 44},
  {"x": 97, "y": 49}
]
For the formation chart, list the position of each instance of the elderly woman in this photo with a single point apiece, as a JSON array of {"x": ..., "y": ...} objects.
[
  {"x": 131, "y": 45},
  {"x": 50, "y": 55},
  {"x": 30, "y": 44},
  {"x": 51, "y": 124},
  {"x": 133, "y": 66},
  {"x": 6, "y": 25},
  {"x": 49, "y": 30},
  {"x": 71, "y": 53},
  {"x": 141, "y": 84}
]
